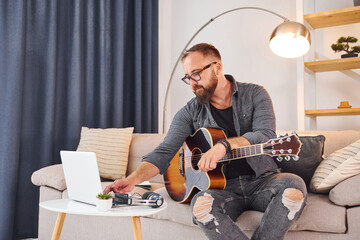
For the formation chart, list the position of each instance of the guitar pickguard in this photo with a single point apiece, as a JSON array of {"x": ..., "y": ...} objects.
[{"x": 197, "y": 178}]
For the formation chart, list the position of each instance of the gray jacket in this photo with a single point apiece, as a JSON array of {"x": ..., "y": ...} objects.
[{"x": 254, "y": 119}]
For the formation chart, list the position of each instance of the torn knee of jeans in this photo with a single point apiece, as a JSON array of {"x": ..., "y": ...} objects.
[
  {"x": 202, "y": 209},
  {"x": 292, "y": 199}
]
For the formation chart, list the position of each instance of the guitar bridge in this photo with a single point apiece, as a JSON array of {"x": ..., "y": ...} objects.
[{"x": 181, "y": 162}]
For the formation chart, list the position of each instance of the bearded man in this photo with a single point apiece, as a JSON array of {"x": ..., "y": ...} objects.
[{"x": 244, "y": 111}]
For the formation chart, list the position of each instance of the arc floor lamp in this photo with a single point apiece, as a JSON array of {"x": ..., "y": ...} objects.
[{"x": 289, "y": 40}]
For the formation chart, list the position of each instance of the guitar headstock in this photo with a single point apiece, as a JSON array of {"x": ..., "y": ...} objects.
[{"x": 287, "y": 145}]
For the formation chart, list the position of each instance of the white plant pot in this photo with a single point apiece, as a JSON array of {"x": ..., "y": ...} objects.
[{"x": 104, "y": 205}]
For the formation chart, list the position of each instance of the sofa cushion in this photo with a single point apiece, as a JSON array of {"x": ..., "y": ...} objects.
[
  {"x": 141, "y": 144},
  {"x": 111, "y": 147},
  {"x": 310, "y": 156},
  {"x": 51, "y": 176},
  {"x": 317, "y": 209},
  {"x": 337, "y": 167},
  {"x": 174, "y": 211},
  {"x": 347, "y": 192}
]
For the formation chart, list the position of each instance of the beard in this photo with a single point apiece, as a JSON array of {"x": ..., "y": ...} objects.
[{"x": 205, "y": 93}]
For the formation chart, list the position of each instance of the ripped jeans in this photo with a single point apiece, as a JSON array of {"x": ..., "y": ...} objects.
[{"x": 281, "y": 196}]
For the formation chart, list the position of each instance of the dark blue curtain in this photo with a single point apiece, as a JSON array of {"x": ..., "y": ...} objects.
[{"x": 66, "y": 64}]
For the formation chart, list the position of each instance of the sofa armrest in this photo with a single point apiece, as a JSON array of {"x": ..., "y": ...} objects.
[
  {"x": 51, "y": 176},
  {"x": 346, "y": 193}
]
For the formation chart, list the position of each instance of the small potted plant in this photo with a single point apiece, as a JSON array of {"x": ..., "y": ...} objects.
[
  {"x": 104, "y": 202},
  {"x": 343, "y": 45}
]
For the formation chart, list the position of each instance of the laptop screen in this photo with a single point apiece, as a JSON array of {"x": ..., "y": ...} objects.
[{"x": 81, "y": 175}]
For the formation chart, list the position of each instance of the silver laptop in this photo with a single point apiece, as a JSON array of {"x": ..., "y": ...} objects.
[{"x": 81, "y": 176}]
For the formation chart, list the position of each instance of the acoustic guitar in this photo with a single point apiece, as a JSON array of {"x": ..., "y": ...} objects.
[{"x": 183, "y": 179}]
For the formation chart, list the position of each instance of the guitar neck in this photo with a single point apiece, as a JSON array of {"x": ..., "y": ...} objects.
[{"x": 243, "y": 152}]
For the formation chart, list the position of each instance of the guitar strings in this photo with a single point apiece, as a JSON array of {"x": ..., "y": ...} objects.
[{"x": 239, "y": 153}]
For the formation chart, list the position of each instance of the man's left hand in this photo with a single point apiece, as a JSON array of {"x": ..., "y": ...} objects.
[{"x": 209, "y": 160}]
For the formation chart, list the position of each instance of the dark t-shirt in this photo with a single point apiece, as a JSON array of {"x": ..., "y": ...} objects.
[{"x": 224, "y": 118}]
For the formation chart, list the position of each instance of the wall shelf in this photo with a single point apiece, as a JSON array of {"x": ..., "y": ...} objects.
[
  {"x": 334, "y": 18},
  {"x": 326, "y": 19},
  {"x": 333, "y": 112},
  {"x": 333, "y": 64}
]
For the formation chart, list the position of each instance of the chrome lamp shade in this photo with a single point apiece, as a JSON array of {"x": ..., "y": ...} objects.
[{"x": 290, "y": 40}]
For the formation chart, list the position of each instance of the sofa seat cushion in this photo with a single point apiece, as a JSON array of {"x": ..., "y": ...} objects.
[
  {"x": 321, "y": 215},
  {"x": 317, "y": 209},
  {"x": 175, "y": 212}
]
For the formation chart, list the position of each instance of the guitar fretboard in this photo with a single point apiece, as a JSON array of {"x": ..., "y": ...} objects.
[{"x": 243, "y": 152}]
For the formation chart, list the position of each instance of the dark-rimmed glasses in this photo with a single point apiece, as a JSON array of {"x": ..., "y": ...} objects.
[{"x": 196, "y": 75}]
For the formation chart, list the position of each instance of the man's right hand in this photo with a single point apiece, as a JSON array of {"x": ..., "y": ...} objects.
[
  {"x": 120, "y": 186},
  {"x": 143, "y": 172}
]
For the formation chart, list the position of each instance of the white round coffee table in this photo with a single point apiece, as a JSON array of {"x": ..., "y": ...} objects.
[{"x": 64, "y": 206}]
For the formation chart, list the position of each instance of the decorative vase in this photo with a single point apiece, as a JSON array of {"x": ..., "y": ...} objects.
[
  {"x": 349, "y": 55},
  {"x": 344, "y": 104},
  {"x": 104, "y": 205},
  {"x": 356, "y": 2}
]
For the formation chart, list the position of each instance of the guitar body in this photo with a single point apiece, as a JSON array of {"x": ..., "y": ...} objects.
[{"x": 183, "y": 179}]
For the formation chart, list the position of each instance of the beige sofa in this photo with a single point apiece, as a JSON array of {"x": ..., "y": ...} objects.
[{"x": 321, "y": 219}]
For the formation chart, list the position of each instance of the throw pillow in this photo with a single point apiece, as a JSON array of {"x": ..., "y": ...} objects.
[
  {"x": 111, "y": 147},
  {"x": 337, "y": 167},
  {"x": 310, "y": 157}
]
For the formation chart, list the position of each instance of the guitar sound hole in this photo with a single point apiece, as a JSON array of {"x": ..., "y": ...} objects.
[{"x": 195, "y": 158}]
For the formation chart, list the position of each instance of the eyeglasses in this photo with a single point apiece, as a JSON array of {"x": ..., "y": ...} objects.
[{"x": 196, "y": 75}]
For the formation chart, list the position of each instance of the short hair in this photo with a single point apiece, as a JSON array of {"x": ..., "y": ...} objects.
[{"x": 205, "y": 48}]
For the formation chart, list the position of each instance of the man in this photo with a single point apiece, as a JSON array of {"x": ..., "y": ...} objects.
[{"x": 245, "y": 112}]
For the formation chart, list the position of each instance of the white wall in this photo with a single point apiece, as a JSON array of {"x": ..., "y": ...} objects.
[{"x": 242, "y": 38}]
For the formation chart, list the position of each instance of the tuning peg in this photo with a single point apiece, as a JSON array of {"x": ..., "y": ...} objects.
[
  {"x": 286, "y": 134},
  {"x": 278, "y": 135},
  {"x": 279, "y": 158},
  {"x": 293, "y": 132},
  {"x": 296, "y": 158},
  {"x": 287, "y": 158}
]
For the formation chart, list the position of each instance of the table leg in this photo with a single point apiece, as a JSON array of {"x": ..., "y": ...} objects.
[
  {"x": 136, "y": 224},
  {"x": 58, "y": 226}
]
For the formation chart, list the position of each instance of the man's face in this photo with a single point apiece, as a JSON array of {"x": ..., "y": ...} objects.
[{"x": 204, "y": 88}]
